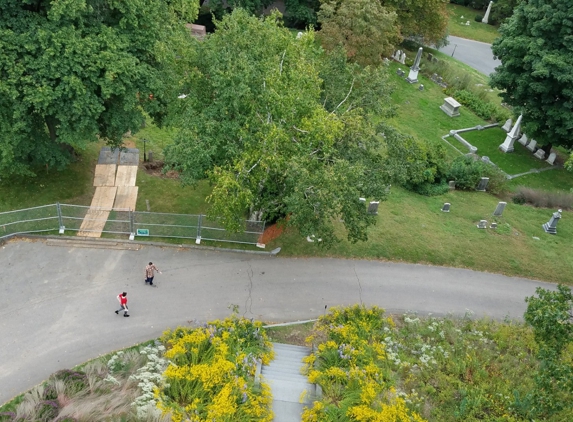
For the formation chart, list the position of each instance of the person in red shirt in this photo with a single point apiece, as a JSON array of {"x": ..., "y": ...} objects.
[{"x": 122, "y": 298}]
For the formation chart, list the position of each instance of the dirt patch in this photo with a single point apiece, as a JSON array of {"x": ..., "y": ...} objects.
[
  {"x": 155, "y": 168},
  {"x": 292, "y": 334},
  {"x": 271, "y": 233}
]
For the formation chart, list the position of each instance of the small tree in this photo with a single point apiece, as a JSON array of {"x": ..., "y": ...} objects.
[{"x": 365, "y": 29}]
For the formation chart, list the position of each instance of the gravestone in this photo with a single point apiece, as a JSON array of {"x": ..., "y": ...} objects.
[
  {"x": 362, "y": 200},
  {"x": 539, "y": 154},
  {"x": 482, "y": 224},
  {"x": 467, "y": 23},
  {"x": 440, "y": 80},
  {"x": 386, "y": 61},
  {"x": 551, "y": 226},
  {"x": 485, "y": 159},
  {"x": 532, "y": 146},
  {"x": 493, "y": 226},
  {"x": 299, "y": 36},
  {"x": 430, "y": 56},
  {"x": 499, "y": 209},
  {"x": 512, "y": 135},
  {"x": 487, "y": 12},
  {"x": 446, "y": 207},
  {"x": 451, "y": 107},
  {"x": 373, "y": 207},
  {"x": 421, "y": 87},
  {"x": 551, "y": 159},
  {"x": 413, "y": 74},
  {"x": 482, "y": 184},
  {"x": 150, "y": 156},
  {"x": 400, "y": 72},
  {"x": 452, "y": 184},
  {"x": 403, "y": 58},
  {"x": 523, "y": 140},
  {"x": 434, "y": 77},
  {"x": 507, "y": 125},
  {"x": 397, "y": 55}
]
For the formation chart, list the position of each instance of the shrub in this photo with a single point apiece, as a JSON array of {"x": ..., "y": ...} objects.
[
  {"x": 47, "y": 411},
  {"x": 76, "y": 381},
  {"x": 481, "y": 107},
  {"x": 7, "y": 416},
  {"x": 430, "y": 189},
  {"x": 467, "y": 171},
  {"x": 478, "y": 18},
  {"x": 542, "y": 199}
]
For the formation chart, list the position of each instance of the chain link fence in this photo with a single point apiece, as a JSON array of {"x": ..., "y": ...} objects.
[{"x": 88, "y": 221}]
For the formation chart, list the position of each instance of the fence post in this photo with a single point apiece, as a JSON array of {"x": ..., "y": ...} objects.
[
  {"x": 198, "y": 238},
  {"x": 131, "y": 225},
  {"x": 62, "y": 229}
]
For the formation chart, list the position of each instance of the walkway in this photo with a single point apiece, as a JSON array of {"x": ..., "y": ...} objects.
[
  {"x": 57, "y": 303},
  {"x": 475, "y": 54}
]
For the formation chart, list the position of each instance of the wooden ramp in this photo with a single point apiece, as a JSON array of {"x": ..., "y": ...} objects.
[
  {"x": 97, "y": 215},
  {"x": 125, "y": 176},
  {"x": 126, "y": 197},
  {"x": 104, "y": 175}
]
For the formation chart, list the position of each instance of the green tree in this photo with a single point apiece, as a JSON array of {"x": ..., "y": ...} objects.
[
  {"x": 535, "y": 76},
  {"x": 252, "y": 6},
  {"x": 502, "y": 9},
  {"x": 365, "y": 29},
  {"x": 275, "y": 137},
  {"x": 75, "y": 71},
  {"x": 550, "y": 314},
  {"x": 301, "y": 13}
]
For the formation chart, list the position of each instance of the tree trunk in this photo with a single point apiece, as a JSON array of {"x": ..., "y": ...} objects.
[
  {"x": 547, "y": 148},
  {"x": 52, "y": 122}
]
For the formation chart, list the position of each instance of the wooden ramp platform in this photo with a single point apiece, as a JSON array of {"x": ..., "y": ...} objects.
[
  {"x": 125, "y": 176},
  {"x": 126, "y": 197},
  {"x": 104, "y": 175},
  {"x": 97, "y": 215}
]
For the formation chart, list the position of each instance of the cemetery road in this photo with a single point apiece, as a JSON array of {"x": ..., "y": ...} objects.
[
  {"x": 475, "y": 54},
  {"x": 57, "y": 303}
]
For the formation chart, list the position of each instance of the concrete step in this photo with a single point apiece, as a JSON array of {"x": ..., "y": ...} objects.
[
  {"x": 289, "y": 355},
  {"x": 282, "y": 363},
  {"x": 288, "y": 390},
  {"x": 282, "y": 370},
  {"x": 284, "y": 376},
  {"x": 287, "y": 411},
  {"x": 93, "y": 244},
  {"x": 291, "y": 347}
]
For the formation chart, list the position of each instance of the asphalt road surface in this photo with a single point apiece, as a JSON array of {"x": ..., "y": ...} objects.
[
  {"x": 475, "y": 54},
  {"x": 57, "y": 303}
]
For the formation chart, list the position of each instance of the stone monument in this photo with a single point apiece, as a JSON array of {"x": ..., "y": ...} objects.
[
  {"x": 446, "y": 207},
  {"x": 539, "y": 154},
  {"x": 482, "y": 224},
  {"x": 507, "y": 125},
  {"x": 523, "y": 140},
  {"x": 451, "y": 107},
  {"x": 373, "y": 207},
  {"x": 413, "y": 75},
  {"x": 499, "y": 209},
  {"x": 403, "y": 58},
  {"x": 482, "y": 184},
  {"x": 487, "y": 12},
  {"x": 507, "y": 145},
  {"x": 532, "y": 146},
  {"x": 551, "y": 159},
  {"x": 551, "y": 226}
]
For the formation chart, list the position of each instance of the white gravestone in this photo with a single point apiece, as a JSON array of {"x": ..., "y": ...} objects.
[
  {"x": 540, "y": 154},
  {"x": 413, "y": 75},
  {"x": 507, "y": 145},
  {"x": 499, "y": 209},
  {"x": 482, "y": 184},
  {"x": 551, "y": 159},
  {"x": 451, "y": 107},
  {"x": 487, "y": 12},
  {"x": 493, "y": 226},
  {"x": 452, "y": 184},
  {"x": 403, "y": 58},
  {"x": 482, "y": 224},
  {"x": 551, "y": 226},
  {"x": 523, "y": 140},
  {"x": 446, "y": 207},
  {"x": 507, "y": 125},
  {"x": 532, "y": 146}
]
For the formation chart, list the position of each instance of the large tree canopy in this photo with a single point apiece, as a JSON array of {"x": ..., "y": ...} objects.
[
  {"x": 280, "y": 128},
  {"x": 75, "y": 70},
  {"x": 536, "y": 51}
]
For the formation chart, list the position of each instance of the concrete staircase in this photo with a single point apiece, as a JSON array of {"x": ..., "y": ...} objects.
[{"x": 287, "y": 383}]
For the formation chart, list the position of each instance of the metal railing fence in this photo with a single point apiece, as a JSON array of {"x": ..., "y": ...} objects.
[{"x": 114, "y": 222}]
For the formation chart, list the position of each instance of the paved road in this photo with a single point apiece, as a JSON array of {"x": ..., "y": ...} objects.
[
  {"x": 57, "y": 303},
  {"x": 473, "y": 53}
]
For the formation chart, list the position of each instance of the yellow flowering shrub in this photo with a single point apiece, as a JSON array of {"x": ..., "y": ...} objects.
[
  {"x": 352, "y": 369},
  {"x": 211, "y": 372}
]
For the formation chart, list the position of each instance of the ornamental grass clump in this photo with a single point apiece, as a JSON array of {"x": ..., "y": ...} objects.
[
  {"x": 210, "y": 376},
  {"x": 353, "y": 369}
]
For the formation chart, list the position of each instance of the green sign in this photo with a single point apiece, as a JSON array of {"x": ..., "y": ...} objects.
[{"x": 142, "y": 232}]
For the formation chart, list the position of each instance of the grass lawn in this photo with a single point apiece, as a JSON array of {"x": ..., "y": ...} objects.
[
  {"x": 476, "y": 30},
  {"x": 488, "y": 141},
  {"x": 72, "y": 185},
  {"x": 411, "y": 228}
]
